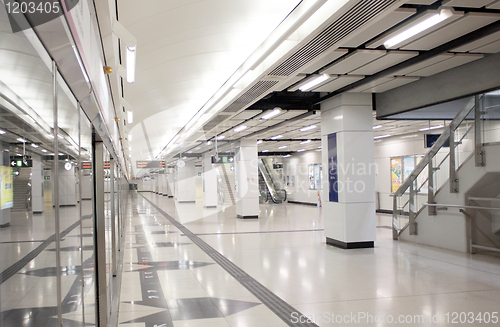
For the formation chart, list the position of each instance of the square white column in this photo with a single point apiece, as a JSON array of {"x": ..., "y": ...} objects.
[
  {"x": 209, "y": 176},
  {"x": 186, "y": 182},
  {"x": 247, "y": 179},
  {"x": 349, "y": 171}
]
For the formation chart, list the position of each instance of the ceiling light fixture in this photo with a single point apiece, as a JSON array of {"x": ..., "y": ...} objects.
[
  {"x": 129, "y": 137},
  {"x": 34, "y": 145},
  {"x": 131, "y": 64},
  {"x": 287, "y": 156},
  {"x": 43, "y": 150},
  {"x": 305, "y": 142},
  {"x": 301, "y": 150},
  {"x": 2, "y": 132},
  {"x": 272, "y": 114},
  {"x": 282, "y": 147},
  {"x": 318, "y": 80},
  {"x": 21, "y": 140},
  {"x": 130, "y": 117},
  {"x": 220, "y": 137},
  {"x": 419, "y": 28},
  {"x": 377, "y": 126},
  {"x": 264, "y": 151},
  {"x": 240, "y": 128},
  {"x": 381, "y": 136},
  {"x": 308, "y": 128},
  {"x": 276, "y": 137},
  {"x": 259, "y": 142},
  {"x": 429, "y": 128}
]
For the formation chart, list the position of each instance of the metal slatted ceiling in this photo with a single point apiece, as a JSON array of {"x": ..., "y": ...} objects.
[
  {"x": 468, "y": 23},
  {"x": 421, "y": 2},
  {"x": 361, "y": 13},
  {"x": 493, "y": 47},
  {"x": 352, "y": 61},
  {"x": 325, "y": 59},
  {"x": 392, "y": 84},
  {"x": 372, "y": 30},
  {"x": 390, "y": 59},
  {"x": 455, "y": 61}
]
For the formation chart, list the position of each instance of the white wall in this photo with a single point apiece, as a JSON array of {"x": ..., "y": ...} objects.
[{"x": 298, "y": 166}]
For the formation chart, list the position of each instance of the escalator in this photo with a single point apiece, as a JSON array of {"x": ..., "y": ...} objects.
[{"x": 268, "y": 187}]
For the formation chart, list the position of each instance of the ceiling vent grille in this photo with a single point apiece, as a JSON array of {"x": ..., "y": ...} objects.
[
  {"x": 361, "y": 13},
  {"x": 260, "y": 88}
]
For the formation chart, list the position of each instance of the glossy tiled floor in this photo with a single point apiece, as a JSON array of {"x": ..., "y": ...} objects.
[{"x": 170, "y": 281}]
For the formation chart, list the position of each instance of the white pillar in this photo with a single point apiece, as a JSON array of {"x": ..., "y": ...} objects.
[
  {"x": 349, "y": 170},
  {"x": 164, "y": 184},
  {"x": 209, "y": 176},
  {"x": 247, "y": 180},
  {"x": 186, "y": 182},
  {"x": 37, "y": 185}
]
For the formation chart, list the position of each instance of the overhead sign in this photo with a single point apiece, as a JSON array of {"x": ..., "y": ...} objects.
[
  {"x": 150, "y": 164},
  {"x": 278, "y": 166},
  {"x": 106, "y": 165},
  {"x": 19, "y": 162},
  {"x": 222, "y": 159}
]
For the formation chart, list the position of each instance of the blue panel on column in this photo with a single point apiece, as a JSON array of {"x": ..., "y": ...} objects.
[{"x": 332, "y": 168}]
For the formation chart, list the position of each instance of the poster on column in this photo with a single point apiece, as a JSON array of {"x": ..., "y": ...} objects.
[
  {"x": 7, "y": 197},
  {"x": 333, "y": 190}
]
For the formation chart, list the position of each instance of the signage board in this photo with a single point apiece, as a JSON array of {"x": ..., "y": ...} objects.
[
  {"x": 150, "y": 164},
  {"x": 86, "y": 165},
  {"x": 278, "y": 166},
  {"x": 19, "y": 162}
]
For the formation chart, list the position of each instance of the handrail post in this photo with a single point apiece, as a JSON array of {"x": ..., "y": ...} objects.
[
  {"x": 478, "y": 144},
  {"x": 453, "y": 171},
  {"x": 412, "y": 211},
  {"x": 430, "y": 188},
  {"x": 395, "y": 218}
]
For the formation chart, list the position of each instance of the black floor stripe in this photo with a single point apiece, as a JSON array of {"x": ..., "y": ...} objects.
[
  {"x": 11, "y": 242},
  {"x": 265, "y": 232},
  {"x": 281, "y": 308},
  {"x": 12, "y": 270}
]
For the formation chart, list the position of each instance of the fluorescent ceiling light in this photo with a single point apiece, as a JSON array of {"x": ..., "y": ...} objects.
[
  {"x": 263, "y": 151},
  {"x": 276, "y": 137},
  {"x": 432, "y": 127},
  {"x": 189, "y": 152},
  {"x": 282, "y": 147},
  {"x": 2, "y": 132},
  {"x": 320, "y": 147},
  {"x": 130, "y": 148},
  {"x": 381, "y": 136},
  {"x": 377, "y": 126},
  {"x": 272, "y": 114},
  {"x": 34, "y": 145},
  {"x": 301, "y": 150},
  {"x": 419, "y": 28},
  {"x": 259, "y": 142},
  {"x": 21, "y": 140},
  {"x": 221, "y": 137},
  {"x": 197, "y": 148},
  {"x": 287, "y": 156},
  {"x": 318, "y": 80},
  {"x": 209, "y": 143},
  {"x": 129, "y": 138},
  {"x": 409, "y": 136},
  {"x": 308, "y": 128},
  {"x": 305, "y": 142},
  {"x": 130, "y": 117},
  {"x": 131, "y": 64},
  {"x": 43, "y": 150},
  {"x": 240, "y": 128}
]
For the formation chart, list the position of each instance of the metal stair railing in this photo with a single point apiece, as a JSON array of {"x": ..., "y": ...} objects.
[{"x": 411, "y": 186}]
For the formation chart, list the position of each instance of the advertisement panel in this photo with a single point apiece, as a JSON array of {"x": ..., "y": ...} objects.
[{"x": 7, "y": 196}]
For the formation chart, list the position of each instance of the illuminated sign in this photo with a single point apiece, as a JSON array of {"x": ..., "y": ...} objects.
[
  {"x": 278, "y": 166},
  {"x": 106, "y": 165},
  {"x": 19, "y": 162},
  {"x": 150, "y": 164},
  {"x": 86, "y": 165}
]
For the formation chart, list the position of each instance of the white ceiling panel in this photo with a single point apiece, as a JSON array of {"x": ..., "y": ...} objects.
[
  {"x": 469, "y": 47},
  {"x": 353, "y": 60},
  {"x": 494, "y": 5},
  {"x": 392, "y": 84},
  {"x": 246, "y": 114},
  {"x": 412, "y": 22},
  {"x": 339, "y": 83},
  {"x": 390, "y": 59},
  {"x": 372, "y": 84},
  {"x": 468, "y": 23},
  {"x": 493, "y": 47},
  {"x": 292, "y": 113},
  {"x": 323, "y": 60},
  {"x": 421, "y": 2},
  {"x": 370, "y": 31},
  {"x": 424, "y": 64},
  {"x": 467, "y": 3},
  {"x": 457, "y": 60}
]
